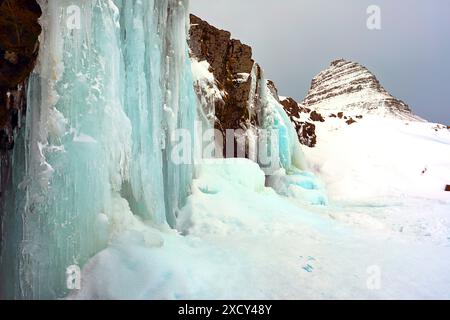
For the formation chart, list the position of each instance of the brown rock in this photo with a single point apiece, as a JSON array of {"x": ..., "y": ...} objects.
[
  {"x": 317, "y": 117},
  {"x": 273, "y": 89},
  {"x": 11, "y": 57},
  {"x": 350, "y": 121},
  {"x": 211, "y": 44},
  {"x": 307, "y": 133},
  {"x": 231, "y": 64},
  {"x": 19, "y": 31},
  {"x": 292, "y": 108},
  {"x": 306, "y": 130},
  {"x": 447, "y": 188}
]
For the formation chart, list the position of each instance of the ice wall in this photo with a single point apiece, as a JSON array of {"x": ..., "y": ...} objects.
[
  {"x": 104, "y": 102},
  {"x": 157, "y": 73}
]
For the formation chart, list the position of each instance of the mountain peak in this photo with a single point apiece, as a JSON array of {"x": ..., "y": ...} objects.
[{"x": 349, "y": 86}]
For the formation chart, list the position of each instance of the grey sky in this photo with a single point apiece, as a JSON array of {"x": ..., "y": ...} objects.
[{"x": 293, "y": 40}]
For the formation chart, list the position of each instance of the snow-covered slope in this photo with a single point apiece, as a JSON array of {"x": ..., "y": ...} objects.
[
  {"x": 350, "y": 87},
  {"x": 379, "y": 158},
  {"x": 370, "y": 145}
]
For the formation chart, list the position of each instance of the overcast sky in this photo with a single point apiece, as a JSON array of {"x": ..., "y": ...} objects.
[{"x": 293, "y": 40}]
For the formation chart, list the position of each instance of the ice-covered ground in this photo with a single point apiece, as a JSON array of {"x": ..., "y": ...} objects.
[{"x": 384, "y": 234}]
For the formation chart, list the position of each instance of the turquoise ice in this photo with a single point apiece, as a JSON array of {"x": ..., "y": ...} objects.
[{"x": 104, "y": 101}]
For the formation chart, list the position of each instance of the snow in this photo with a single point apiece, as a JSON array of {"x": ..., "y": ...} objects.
[
  {"x": 241, "y": 240},
  {"x": 204, "y": 79},
  {"x": 300, "y": 185},
  {"x": 232, "y": 171},
  {"x": 379, "y": 157},
  {"x": 200, "y": 71},
  {"x": 365, "y": 101},
  {"x": 207, "y": 92},
  {"x": 242, "y": 77}
]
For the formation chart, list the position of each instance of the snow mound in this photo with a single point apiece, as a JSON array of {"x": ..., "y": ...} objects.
[{"x": 218, "y": 174}]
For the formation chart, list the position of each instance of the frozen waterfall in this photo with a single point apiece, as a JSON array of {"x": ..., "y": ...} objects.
[{"x": 107, "y": 93}]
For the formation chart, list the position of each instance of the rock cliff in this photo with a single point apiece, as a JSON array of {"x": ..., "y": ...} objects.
[{"x": 237, "y": 82}]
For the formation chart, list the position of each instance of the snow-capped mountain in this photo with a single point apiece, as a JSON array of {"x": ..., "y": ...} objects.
[
  {"x": 345, "y": 93},
  {"x": 350, "y": 87}
]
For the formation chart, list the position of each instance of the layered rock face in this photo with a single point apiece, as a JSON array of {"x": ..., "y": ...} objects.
[
  {"x": 19, "y": 31},
  {"x": 349, "y": 87}
]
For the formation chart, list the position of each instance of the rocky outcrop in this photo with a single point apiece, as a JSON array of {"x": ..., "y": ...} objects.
[
  {"x": 350, "y": 87},
  {"x": 315, "y": 116},
  {"x": 447, "y": 188},
  {"x": 350, "y": 121},
  {"x": 231, "y": 64},
  {"x": 307, "y": 133},
  {"x": 306, "y": 130},
  {"x": 293, "y": 109},
  {"x": 19, "y": 31},
  {"x": 238, "y": 77},
  {"x": 273, "y": 90}
]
